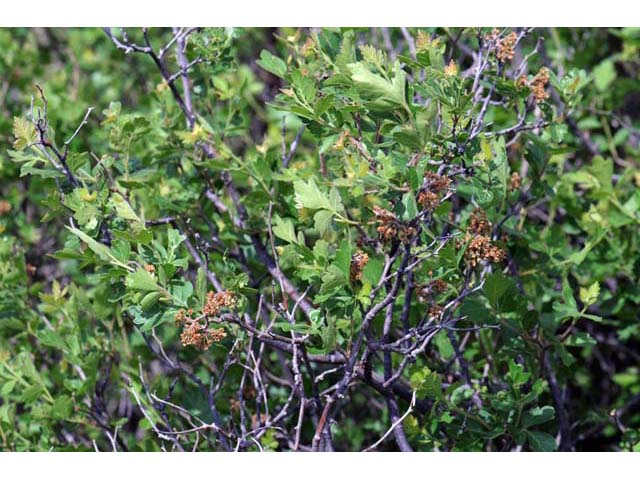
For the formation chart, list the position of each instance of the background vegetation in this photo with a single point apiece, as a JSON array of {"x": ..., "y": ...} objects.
[{"x": 319, "y": 239}]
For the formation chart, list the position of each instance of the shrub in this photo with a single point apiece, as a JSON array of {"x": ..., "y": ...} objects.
[{"x": 239, "y": 239}]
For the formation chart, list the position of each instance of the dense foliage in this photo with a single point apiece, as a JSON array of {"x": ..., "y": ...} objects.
[{"x": 319, "y": 239}]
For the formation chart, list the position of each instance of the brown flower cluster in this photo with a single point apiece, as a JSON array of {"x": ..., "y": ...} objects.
[
  {"x": 429, "y": 200},
  {"x": 216, "y": 301},
  {"x": 424, "y": 41},
  {"x": 425, "y": 292},
  {"x": 516, "y": 182},
  {"x": 522, "y": 81},
  {"x": 197, "y": 331},
  {"x": 389, "y": 227},
  {"x": 480, "y": 247},
  {"x": 150, "y": 268},
  {"x": 437, "y": 183},
  {"x": 359, "y": 260},
  {"x": 5, "y": 207},
  {"x": 181, "y": 317},
  {"x": 538, "y": 84},
  {"x": 340, "y": 142},
  {"x": 200, "y": 336},
  {"x": 308, "y": 47},
  {"x": 438, "y": 285},
  {"x": 505, "y": 49},
  {"x": 451, "y": 70},
  {"x": 478, "y": 222},
  {"x": 435, "y": 311},
  {"x": 429, "y": 196}
]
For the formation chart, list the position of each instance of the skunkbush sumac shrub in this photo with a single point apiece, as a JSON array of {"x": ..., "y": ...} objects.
[{"x": 319, "y": 239}]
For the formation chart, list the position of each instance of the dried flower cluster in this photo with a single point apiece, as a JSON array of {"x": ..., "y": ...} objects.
[
  {"x": 480, "y": 247},
  {"x": 522, "y": 81},
  {"x": 5, "y": 207},
  {"x": 424, "y": 41},
  {"x": 451, "y": 70},
  {"x": 515, "y": 182},
  {"x": 538, "y": 85},
  {"x": 478, "y": 222},
  {"x": 216, "y": 301},
  {"x": 505, "y": 49},
  {"x": 493, "y": 36},
  {"x": 340, "y": 142},
  {"x": 308, "y": 47},
  {"x": 390, "y": 227},
  {"x": 438, "y": 285},
  {"x": 426, "y": 292},
  {"x": 196, "y": 330},
  {"x": 435, "y": 311},
  {"x": 359, "y": 260},
  {"x": 150, "y": 268},
  {"x": 437, "y": 183},
  {"x": 200, "y": 336},
  {"x": 428, "y": 200},
  {"x": 429, "y": 196}
]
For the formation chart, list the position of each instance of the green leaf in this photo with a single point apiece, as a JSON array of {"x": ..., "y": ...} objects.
[
  {"x": 175, "y": 239},
  {"x": 283, "y": 228},
  {"x": 409, "y": 207},
  {"x": 27, "y": 367},
  {"x": 496, "y": 286},
  {"x": 24, "y": 132},
  {"x": 272, "y": 64},
  {"x": 580, "y": 339},
  {"x": 305, "y": 87},
  {"x": 62, "y": 408},
  {"x": 335, "y": 201},
  {"x": 516, "y": 375},
  {"x": 343, "y": 258},
  {"x": 123, "y": 209},
  {"x": 568, "y": 309},
  {"x": 292, "y": 327},
  {"x": 372, "y": 271},
  {"x": 181, "y": 291},
  {"x": 475, "y": 309},
  {"x": 380, "y": 93},
  {"x": 32, "y": 393},
  {"x": 333, "y": 279},
  {"x": 322, "y": 221},
  {"x": 538, "y": 415},
  {"x": 51, "y": 339},
  {"x": 142, "y": 280},
  {"x": 102, "y": 251},
  {"x": 201, "y": 286},
  {"x": 328, "y": 334},
  {"x": 154, "y": 317},
  {"x": 604, "y": 74},
  {"x": 8, "y": 387},
  {"x": 589, "y": 295},
  {"x": 121, "y": 249},
  {"x": 542, "y": 442},
  {"x": 149, "y": 300},
  {"x": 308, "y": 195},
  {"x": 426, "y": 383},
  {"x": 442, "y": 342}
]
